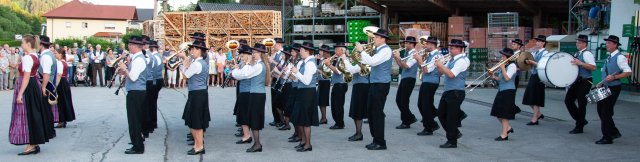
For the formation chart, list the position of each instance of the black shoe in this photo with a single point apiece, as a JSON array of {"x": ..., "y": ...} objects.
[
  {"x": 273, "y": 124},
  {"x": 403, "y": 126},
  {"x": 194, "y": 152},
  {"x": 189, "y": 138},
  {"x": 244, "y": 141},
  {"x": 133, "y": 151},
  {"x": 576, "y": 131},
  {"x": 425, "y": 132},
  {"x": 448, "y": 145},
  {"x": 238, "y": 125},
  {"x": 510, "y": 131},
  {"x": 63, "y": 125},
  {"x": 323, "y": 122},
  {"x": 366, "y": 121},
  {"x": 355, "y": 138},
  {"x": 255, "y": 149},
  {"x": 305, "y": 149},
  {"x": 278, "y": 125},
  {"x": 293, "y": 136},
  {"x": 296, "y": 139},
  {"x": 145, "y": 135},
  {"x": 284, "y": 128},
  {"x": 370, "y": 145},
  {"x": 191, "y": 143},
  {"x": 533, "y": 123},
  {"x": 377, "y": 147},
  {"x": 34, "y": 150},
  {"x": 541, "y": 116},
  {"x": 239, "y": 134},
  {"x": 604, "y": 141},
  {"x": 239, "y": 130},
  {"x": 616, "y": 136},
  {"x": 299, "y": 146},
  {"x": 336, "y": 127},
  {"x": 499, "y": 138},
  {"x": 459, "y": 135}
]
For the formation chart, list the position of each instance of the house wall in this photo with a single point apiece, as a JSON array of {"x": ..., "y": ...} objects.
[{"x": 58, "y": 29}]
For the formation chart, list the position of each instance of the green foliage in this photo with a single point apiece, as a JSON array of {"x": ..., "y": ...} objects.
[
  {"x": 12, "y": 23},
  {"x": 11, "y": 43},
  {"x": 190, "y": 7},
  {"x": 91, "y": 40},
  {"x": 68, "y": 42},
  {"x": 135, "y": 32}
]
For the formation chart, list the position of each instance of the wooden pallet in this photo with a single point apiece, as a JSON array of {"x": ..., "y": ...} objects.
[{"x": 326, "y": 15}]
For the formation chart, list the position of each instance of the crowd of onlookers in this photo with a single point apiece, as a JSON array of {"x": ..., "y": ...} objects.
[{"x": 594, "y": 14}]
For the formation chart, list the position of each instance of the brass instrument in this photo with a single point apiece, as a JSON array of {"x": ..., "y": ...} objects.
[
  {"x": 232, "y": 45},
  {"x": 122, "y": 79},
  {"x": 115, "y": 64},
  {"x": 369, "y": 48},
  {"x": 346, "y": 75},
  {"x": 325, "y": 72},
  {"x": 519, "y": 58},
  {"x": 183, "y": 47}
]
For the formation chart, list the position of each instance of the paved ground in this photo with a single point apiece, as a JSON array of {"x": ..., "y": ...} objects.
[{"x": 100, "y": 134}]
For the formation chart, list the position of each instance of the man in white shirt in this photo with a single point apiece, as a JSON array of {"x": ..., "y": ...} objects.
[
  {"x": 586, "y": 63},
  {"x": 407, "y": 83},
  {"x": 97, "y": 56},
  {"x": 430, "y": 83},
  {"x": 136, "y": 88}
]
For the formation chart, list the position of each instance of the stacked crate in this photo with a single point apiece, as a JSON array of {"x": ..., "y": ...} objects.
[
  {"x": 478, "y": 38},
  {"x": 354, "y": 29},
  {"x": 545, "y": 31},
  {"x": 459, "y": 28}
]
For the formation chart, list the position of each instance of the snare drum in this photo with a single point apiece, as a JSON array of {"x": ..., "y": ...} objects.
[
  {"x": 556, "y": 70},
  {"x": 598, "y": 94}
]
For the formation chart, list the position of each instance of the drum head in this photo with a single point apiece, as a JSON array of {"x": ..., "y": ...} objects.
[{"x": 556, "y": 69}]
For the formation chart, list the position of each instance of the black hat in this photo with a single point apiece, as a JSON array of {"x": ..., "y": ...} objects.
[
  {"x": 614, "y": 39},
  {"x": 44, "y": 40},
  {"x": 457, "y": 43},
  {"x": 518, "y": 41},
  {"x": 259, "y": 47},
  {"x": 136, "y": 40},
  {"x": 382, "y": 33},
  {"x": 287, "y": 50},
  {"x": 245, "y": 50},
  {"x": 296, "y": 46},
  {"x": 433, "y": 40},
  {"x": 199, "y": 44},
  {"x": 410, "y": 39},
  {"x": 583, "y": 38},
  {"x": 278, "y": 40},
  {"x": 325, "y": 48},
  {"x": 507, "y": 52},
  {"x": 243, "y": 42},
  {"x": 340, "y": 44},
  {"x": 308, "y": 46},
  {"x": 198, "y": 36},
  {"x": 541, "y": 38},
  {"x": 153, "y": 43},
  {"x": 145, "y": 39}
]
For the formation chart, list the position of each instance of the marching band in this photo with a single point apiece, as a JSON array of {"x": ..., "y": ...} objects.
[{"x": 301, "y": 83}]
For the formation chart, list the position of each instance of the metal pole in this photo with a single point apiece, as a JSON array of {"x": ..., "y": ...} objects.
[
  {"x": 569, "y": 26},
  {"x": 282, "y": 19}
]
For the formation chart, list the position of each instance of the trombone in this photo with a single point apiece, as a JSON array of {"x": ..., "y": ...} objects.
[{"x": 519, "y": 58}]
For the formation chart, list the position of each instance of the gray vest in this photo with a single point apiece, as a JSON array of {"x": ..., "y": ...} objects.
[
  {"x": 199, "y": 81},
  {"x": 611, "y": 67},
  {"x": 150, "y": 68},
  {"x": 157, "y": 70},
  {"x": 357, "y": 79},
  {"x": 54, "y": 65},
  {"x": 503, "y": 84},
  {"x": 381, "y": 73},
  {"x": 411, "y": 71},
  {"x": 337, "y": 78},
  {"x": 141, "y": 83},
  {"x": 583, "y": 73},
  {"x": 537, "y": 57},
  {"x": 314, "y": 79},
  {"x": 456, "y": 83},
  {"x": 257, "y": 82},
  {"x": 433, "y": 76}
]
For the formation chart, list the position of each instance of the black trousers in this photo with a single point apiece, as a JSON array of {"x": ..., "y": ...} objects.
[
  {"x": 148, "y": 107},
  {"x": 275, "y": 96},
  {"x": 577, "y": 91},
  {"x": 135, "y": 107},
  {"x": 605, "y": 111},
  {"x": 449, "y": 113},
  {"x": 377, "y": 98},
  {"x": 402, "y": 100},
  {"x": 337, "y": 102},
  {"x": 156, "y": 92},
  {"x": 426, "y": 105}
]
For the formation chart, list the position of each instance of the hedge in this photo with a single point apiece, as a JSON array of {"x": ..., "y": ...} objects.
[{"x": 11, "y": 43}]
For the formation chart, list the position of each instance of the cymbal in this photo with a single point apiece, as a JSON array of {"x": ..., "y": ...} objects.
[{"x": 520, "y": 61}]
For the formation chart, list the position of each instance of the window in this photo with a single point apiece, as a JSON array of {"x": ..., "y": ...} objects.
[
  {"x": 111, "y": 26},
  {"x": 85, "y": 25},
  {"x": 67, "y": 24}
]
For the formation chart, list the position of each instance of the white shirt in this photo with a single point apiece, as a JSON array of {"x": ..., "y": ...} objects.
[
  {"x": 137, "y": 66},
  {"x": 460, "y": 65},
  {"x": 46, "y": 63},
  {"x": 194, "y": 68},
  {"x": 27, "y": 62},
  {"x": 248, "y": 71},
  {"x": 543, "y": 53},
  {"x": 412, "y": 61},
  {"x": 431, "y": 65},
  {"x": 221, "y": 58},
  {"x": 353, "y": 69},
  {"x": 511, "y": 70},
  {"x": 310, "y": 69},
  {"x": 97, "y": 56},
  {"x": 587, "y": 56},
  {"x": 158, "y": 59},
  {"x": 622, "y": 62},
  {"x": 70, "y": 59},
  {"x": 380, "y": 57},
  {"x": 59, "y": 67}
]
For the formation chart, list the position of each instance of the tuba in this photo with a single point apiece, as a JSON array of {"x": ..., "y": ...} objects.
[{"x": 369, "y": 48}]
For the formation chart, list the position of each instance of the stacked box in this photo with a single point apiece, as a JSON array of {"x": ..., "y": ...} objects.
[
  {"x": 459, "y": 28},
  {"x": 545, "y": 31},
  {"x": 478, "y": 38}
]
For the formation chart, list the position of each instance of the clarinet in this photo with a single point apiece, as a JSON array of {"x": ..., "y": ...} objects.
[{"x": 285, "y": 64}]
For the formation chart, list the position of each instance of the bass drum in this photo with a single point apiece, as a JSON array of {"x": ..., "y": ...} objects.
[{"x": 556, "y": 70}]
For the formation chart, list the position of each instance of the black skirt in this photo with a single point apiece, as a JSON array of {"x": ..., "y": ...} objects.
[
  {"x": 243, "y": 108},
  {"x": 66, "y": 112},
  {"x": 32, "y": 121},
  {"x": 291, "y": 99},
  {"x": 323, "y": 92},
  {"x": 504, "y": 104},
  {"x": 534, "y": 94},
  {"x": 304, "y": 111},
  {"x": 359, "y": 97},
  {"x": 283, "y": 97},
  {"x": 256, "y": 110},
  {"x": 196, "y": 111}
]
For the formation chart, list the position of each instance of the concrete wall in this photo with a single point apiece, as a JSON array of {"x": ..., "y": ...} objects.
[
  {"x": 57, "y": 28},
  {"x": 621, "y": 13}
]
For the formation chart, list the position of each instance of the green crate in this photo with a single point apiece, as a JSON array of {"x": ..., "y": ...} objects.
[
  {"x": 568, "y": 47},
  {"x": 478, "y": 54}
]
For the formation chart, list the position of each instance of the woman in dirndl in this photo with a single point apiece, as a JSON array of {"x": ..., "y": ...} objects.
[
  {"x": 503, "y": 105},
  {"x": 31, "y": 124},
  {"x": 196, "y": 111},
  {"x": 305, "y": 112},
  {"x": 65, "y": 112}
]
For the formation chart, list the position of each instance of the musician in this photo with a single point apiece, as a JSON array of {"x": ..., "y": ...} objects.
[
  {"x": 614, "y": 69},
  {"x": 534, "y": 94},
  {"x": 154, "y": 84},
  {"x": 29, "y": 125},
  {"x": 136, "y": 86},
  {"x": 503, "y": 104},
  {"x": 586, "y": 63},
  {"x": 244, "y": 85},
  {"x": 48, "y": 67},
  {"x": 359, "y": 94},
  {"x": 407, "y": 83},
  {"x": 284, "y": 87},
  {"x": 324, "y": 83},
  {"x": 516, "y": 45},
  {"x": 430, "y": 83},
  {"x": 66, "y": 112},
  {"x": 304, "y": 113},
  {"x": 236, "y": 112},
  {"x": 339, "y": 85},
  {"x": 196, "y": 110},
  {"x": 201, "y": 37},
  {"x": 293, "y": 91},
  {"x": 454, "y": 82},
  {"x": 146, "y": 117},
  {"x": 276, "y": 60},
  {"x": 380, "y": 82}
]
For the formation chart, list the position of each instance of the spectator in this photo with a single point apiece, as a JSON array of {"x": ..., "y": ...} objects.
[
  {"x": 165, "y": 56},
  {"x": 71, "y": 63},
  {"x": 593, "y": 17},
  {"x": 212, "y": 65},
  {"x": 109, "y": 71},
  {"x": 14, "y": 61},
  {"x": 171, "y": 72},
  {"x": 220, "y": 64},
  {"x": 97, "y": 57},
  {"x": 4, "y": 72}
]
